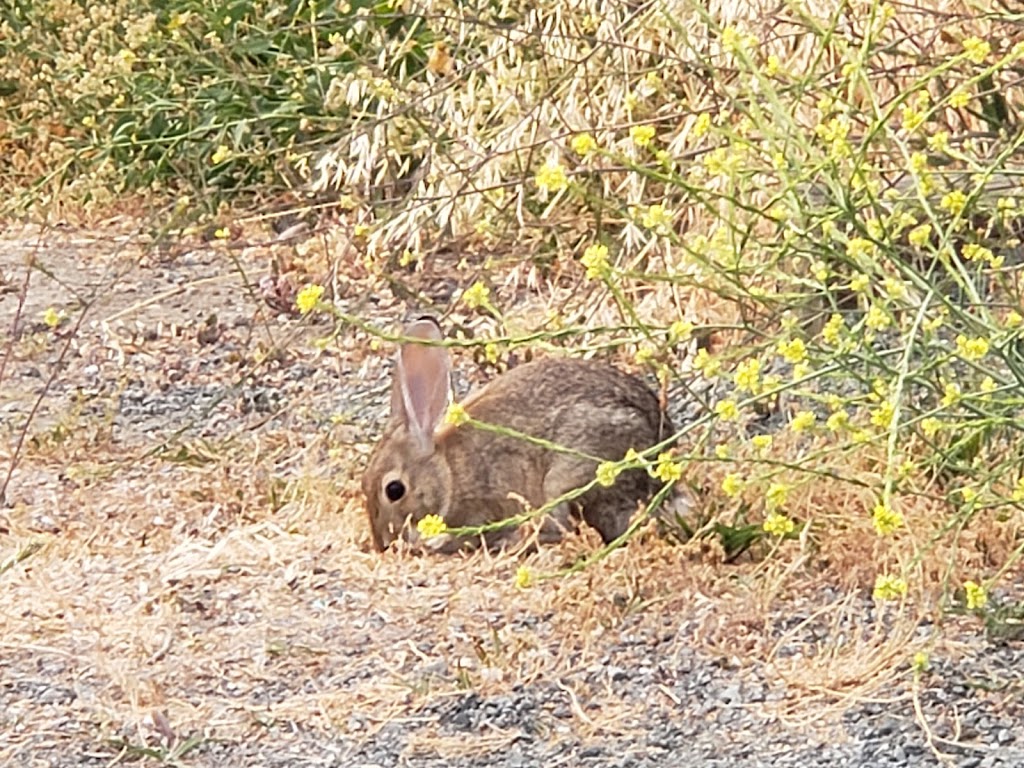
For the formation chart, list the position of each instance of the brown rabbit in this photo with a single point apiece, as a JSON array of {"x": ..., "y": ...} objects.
[{"x": 465, "y": 474}]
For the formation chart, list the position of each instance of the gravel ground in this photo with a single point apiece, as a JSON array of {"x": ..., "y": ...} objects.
[{"x": 167, "y": 369}]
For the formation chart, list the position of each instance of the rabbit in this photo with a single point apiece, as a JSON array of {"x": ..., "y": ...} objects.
[{"x": 470, "y": 477}]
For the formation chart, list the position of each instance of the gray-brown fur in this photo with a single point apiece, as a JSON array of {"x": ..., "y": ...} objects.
[{"x": 465, "y": 474}]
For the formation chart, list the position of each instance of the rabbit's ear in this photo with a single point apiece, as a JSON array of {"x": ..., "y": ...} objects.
[{"x": 422, "y": 385}]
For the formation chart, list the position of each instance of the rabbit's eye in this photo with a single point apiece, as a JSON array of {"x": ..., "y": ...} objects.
[{"x": 394, "y": 490}]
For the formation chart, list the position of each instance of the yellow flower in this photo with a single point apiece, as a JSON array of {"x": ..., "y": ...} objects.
[
  {"x": 642, "y": 135},
  {"x": 607, "y": 472},
  {"x": 936, "y": 322},
  {"x": 701, "y": 125},
  {"x": 838, "y": 421},
  {"x": 832, "y": 329},
  {"x": 894, "y": 289},
  {"x": 793, "y": 351},
  {"x": 727, "y": 410},
  {"x": 976, "y": 49},
  {"x": 776, "y": 495},
  {"x": 930, "y": 426},
  {"x": 954, "y": 202},
  {"x": 951, "y": 394},
  {"x": 595, "y": 259},
  {"x": 877, "y": 319},
  {"x": 656, "y": 218},
  {"x": 723, "y": 162},
  {"x": 707, "y": 364},
  {"x": 889, "y": 587},
  {"x": 778, "y": 524},
  {"x": 976, "y": 595},
  {"x": 583, "y": 144},
  {"x": 731, "y": 38},
  {"x": 975, "y": 252},
  {"x": 918, "y": 163},
  {"x": 920, "y": 662},
  {"x": 644, "y": 354},
  {"x": 431, "y": 525},
  {"x": 859, "y": 283},
  {"x": 772, "y": 65},
  {"x": 668, "y": 471},
  {"x": 551, "y": 177},
  {"x": 732, "y": 485},
  {"x": 524, "y": 577},
  {"x": 1013, "y": 319},
  {"x": 988, "y": 386},
  {"x": 476, "y": 296},
  {"x": 748, "y": 375},
  {"x": 939, "y": 141},
  {"x": 223, "y": 233},
  {"x": 179, "y": 19},
  {"x": 222, "y": 153},
  {"x": 456, "y": 415},
  {"x": 885, "y": 519},
  {"x": 308, "y": 297},
  {"x": 723, "y": 451},
  {"x": 971, "y": 349},
  {"x": 919, "y": 235},
  {"x": 680, "y": 330},
  {"x": 491, "y": 352},
  {"x": 882, "y": 416},
  {"x": 803, "y": 420},
  {"x": 761, "y": 442},
  {"x": 959, "y": 98},
  {"x": 912, "y": 118},
  {"x": 52, "y": 318}
]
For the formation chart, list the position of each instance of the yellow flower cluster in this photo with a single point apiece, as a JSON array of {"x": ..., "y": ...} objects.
[
  {"x": 476, "y": 296},
  {"x": 308, "y": 298},
  {"x": 971, "y": 349},
  {"x": 886, "y": 520},
  {"x": 667, "y": 470},
  {"x": 778, "y": 524},
  {"x": 583, "y": 144},
  {"x": 595, "y": 259},
  {"x": 456, "y": 415},
  {"x": 748, "y": 375},
  {"x": 431, "y": 525},
  {"x": 976, "y": 595},
  {"x": 608, "y": 472},
  {"x": 793, "y": 351},
  {"x": 551, "y": 177},
  {"x": 642, "y": 135},
  {"x": 889, "y": 587}
]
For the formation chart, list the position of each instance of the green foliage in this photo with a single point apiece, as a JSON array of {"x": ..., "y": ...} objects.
[{"x": 215, "y": 98}]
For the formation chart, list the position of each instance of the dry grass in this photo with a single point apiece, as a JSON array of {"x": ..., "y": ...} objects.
[{"x": 177, "y": 595}]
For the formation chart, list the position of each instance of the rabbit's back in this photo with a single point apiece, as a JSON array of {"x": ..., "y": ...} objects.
[{"x": 590, "y": 410}]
